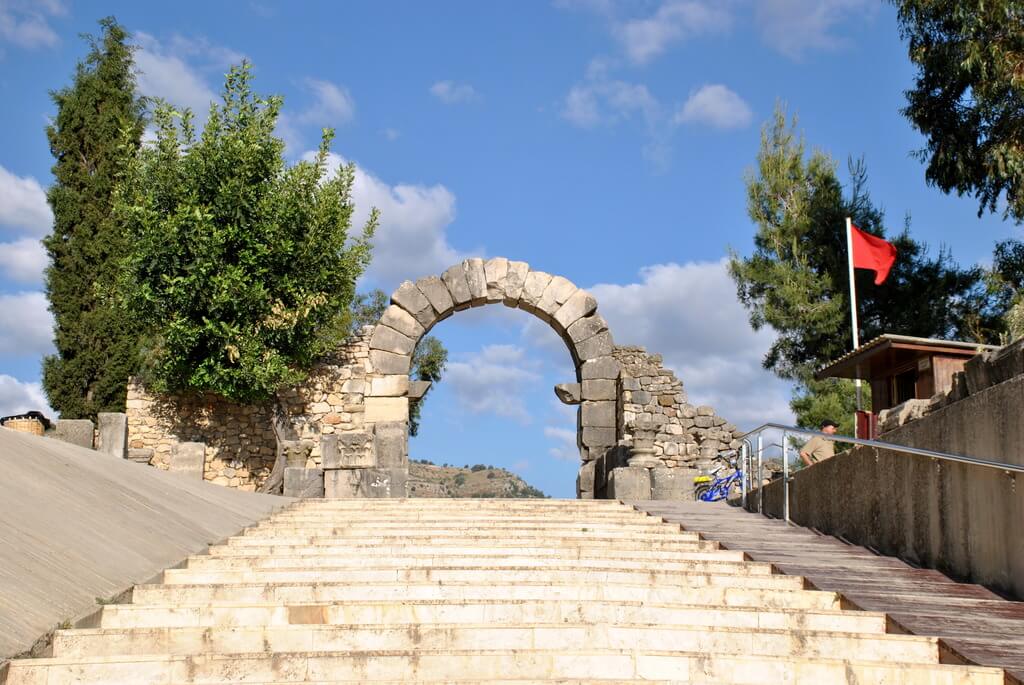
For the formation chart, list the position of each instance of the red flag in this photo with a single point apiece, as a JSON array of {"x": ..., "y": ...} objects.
[{"x": 870, "y": 252}]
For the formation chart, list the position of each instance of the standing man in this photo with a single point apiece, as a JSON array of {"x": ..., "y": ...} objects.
[{"x": 818, "y": 448}]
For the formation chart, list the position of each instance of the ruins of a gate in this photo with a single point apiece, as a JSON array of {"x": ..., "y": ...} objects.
[{"x": 637, "y": 435}]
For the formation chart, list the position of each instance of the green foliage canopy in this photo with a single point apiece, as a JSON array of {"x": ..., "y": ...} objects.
[
  {"x": 968, "y": 96},
  {"x": 241, "y": 269},
  {"x": 93, "y": 137}
]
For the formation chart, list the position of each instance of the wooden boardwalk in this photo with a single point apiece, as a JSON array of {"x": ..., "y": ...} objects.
[{"x": 973, "y": 621}]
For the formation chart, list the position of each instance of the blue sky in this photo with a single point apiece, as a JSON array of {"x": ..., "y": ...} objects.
[{"x": 604, "y": 141}]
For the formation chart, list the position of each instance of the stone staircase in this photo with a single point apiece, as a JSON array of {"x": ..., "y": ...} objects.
[{"x": 338, "y": 591}]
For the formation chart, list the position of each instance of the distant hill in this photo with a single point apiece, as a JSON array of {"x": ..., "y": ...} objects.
[{"x": 427, "y": 479}]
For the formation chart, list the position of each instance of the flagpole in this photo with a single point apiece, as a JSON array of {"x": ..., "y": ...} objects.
[{"x": 853, "y": 310}]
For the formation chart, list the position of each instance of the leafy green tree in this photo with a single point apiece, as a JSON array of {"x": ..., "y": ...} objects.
[
  {"x": 241, "y": 269},
  {"x": 1006, "y": 283},
  {"x": 429, "y": 357},
  {"x": 968, "y": 97},
  {"x": 93, "y": 136},
  {"x": 796, "y": 279}
]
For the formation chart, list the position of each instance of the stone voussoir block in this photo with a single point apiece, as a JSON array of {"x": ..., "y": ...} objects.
[
  {"x": 455, "y": 279},
  {"x": 411, "y": 299},
  {"x": 389, "y": 340},
  {"x": 402, "y": 321},
  {"x": 476, "y": 280},
  {"x": 600, "y": 345},
  {"x": 515, "y": 278},
  {"x": 600, "y": 368},
  {"x": 557, "y": 293},
  {"x": 586, "y": 328},
  {"x": 495, "y": 273},
  {"x": 580, "y": 304},
  {"x": 437, "y": 293},
  {"x": 533, "y": 288}
]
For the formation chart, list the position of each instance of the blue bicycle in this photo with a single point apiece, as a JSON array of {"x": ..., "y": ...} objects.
[{"x": 715, "y": 487}]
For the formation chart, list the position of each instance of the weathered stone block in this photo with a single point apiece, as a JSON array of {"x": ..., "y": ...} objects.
[
  {"x": 303, "y": 482},
  {"x": 976, "y": 372},
  {"x": 330, "y": 457},
  {"x": 402, "y": 321},
  {"x": 455, "y": 279},
  {"x": 598, "y": 389},
  {"x": 598, "y": 414},
  {"x": 599, "y": 345},
  {"x": 585, "y": 479},
  {"x": 390, "y": 340},
  {"x": 672, "y": 484},
  {"x": 476, "y": 279},
  {"x": 343, "y": 483},
  {"x": 568, "y": 393},
  {"x": 629, "y": 483},
  {"x": 596, "y": 436},
  {"x": 75, "y": 431},
  {"x": 348, "y": 450},
  {"x": 113, "y": 433},
  {"x": 533, "y": 288},
  {"x": 587, "y": 327},
  {"x": 417, "y": 389},
  {"x": 411, "y": 299},
  {"x": 140, "y": 455},
  {"x": 386, "y": 363},
  {"x": 390, "y": 443},
  {"x": 394, "y": 385},
  {"x": 603, "y": 367},
  {"x": 188, "y": 459},
  {"x": 495, "y": 271},
  {"x": 580, "y": 304},
  {"x": 437, "y": 293},
  {"x": 557, "y": 292},
  {"x": 383, "y": 482},
  {"x": 515, "y": 278},
  {"x": 385, "y": 409}
]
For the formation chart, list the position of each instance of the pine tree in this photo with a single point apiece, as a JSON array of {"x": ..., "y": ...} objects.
[{"x": 96, "y": 130}]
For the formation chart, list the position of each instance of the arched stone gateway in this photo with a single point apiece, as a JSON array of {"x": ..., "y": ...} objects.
[
  {"x": 570, "y": 311},
  {"x": 638, "y": 436}
]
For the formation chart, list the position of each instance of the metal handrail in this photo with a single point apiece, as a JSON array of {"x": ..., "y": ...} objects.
[{"x": 748, "y": 450}]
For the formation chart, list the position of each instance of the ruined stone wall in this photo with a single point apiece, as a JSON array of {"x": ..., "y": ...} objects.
[{"x": 239, "y": 439}]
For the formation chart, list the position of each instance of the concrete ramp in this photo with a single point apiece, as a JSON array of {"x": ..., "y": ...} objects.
[{"x": 77, "y": 525}]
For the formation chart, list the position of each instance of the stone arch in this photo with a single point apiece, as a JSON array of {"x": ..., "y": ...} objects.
[{"x": 417, "y": 307}]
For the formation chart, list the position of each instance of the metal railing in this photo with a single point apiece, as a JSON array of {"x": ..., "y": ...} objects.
[{"x": 748, "y": 452}]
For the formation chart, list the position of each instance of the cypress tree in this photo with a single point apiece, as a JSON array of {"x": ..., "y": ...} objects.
[{"x": 95, "y": 133}]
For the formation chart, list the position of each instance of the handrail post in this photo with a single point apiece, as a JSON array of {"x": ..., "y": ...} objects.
[
  {"x": 785, "y": 475},
  {"x": 745, "y": 465},
  {"x": 760, "y": 472}
]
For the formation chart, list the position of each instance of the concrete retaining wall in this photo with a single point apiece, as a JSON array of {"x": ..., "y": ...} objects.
[{"x": 967, "y": 521}]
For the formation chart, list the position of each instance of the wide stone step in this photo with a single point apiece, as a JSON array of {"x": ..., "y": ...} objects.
[
  {"x": 568, "y": 588},
  {"x": 278, "y": 564},
  {"x": 471, "y": 529},
  {"x": 331, "y": 545},
  {"x": 453, "y": 665},
  {"x": 716, "y": 640},
  {"x": 700, "y": 570},
  {"x": 299, "y": 537},
  {"x": 797, "y": 611},
  {"x": 680, "y": 560},
  {"x": 486, "y": 517},
  {"x": 494, "y": 547}
]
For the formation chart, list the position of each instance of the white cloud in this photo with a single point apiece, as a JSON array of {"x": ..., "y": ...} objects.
[
  {"x": 411, "y": 240},
  {"x": 26, "y": 23},
  {"x": 26, "y": 325},
  {"x": 332, "y": 104},
  {"x": 716, "y": 106},
  {"x": 452, "y": 93},
  {"x": 565, "y": 448},
  {"x": 601, "y": 101},
  {"x": 23, "y": 261},
  {"x": 23, "y": 204},
  {"x": 474, "y": 379},
  {"x": 689, "y": 313},
  {"x": 164, "y": 74},
  {"x": 793, "y": 27},
  {"x": 17, "y": 397},
  {"x": 391, "y": 134},
  {"x": 674, "y": 21}
]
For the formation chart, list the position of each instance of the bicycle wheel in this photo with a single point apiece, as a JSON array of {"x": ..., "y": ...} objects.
[{"x": 700, "y": 491}]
